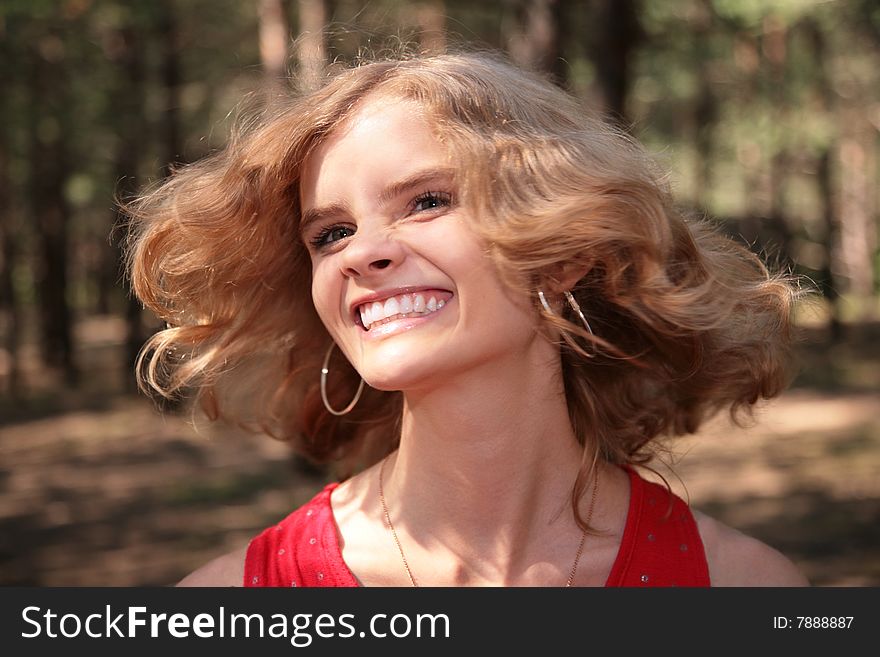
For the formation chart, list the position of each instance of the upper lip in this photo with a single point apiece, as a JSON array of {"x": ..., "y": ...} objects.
[{"x": 379, "y": 295}]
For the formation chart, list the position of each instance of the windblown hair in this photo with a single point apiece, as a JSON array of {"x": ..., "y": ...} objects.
[{"x": 686, "y": 322}]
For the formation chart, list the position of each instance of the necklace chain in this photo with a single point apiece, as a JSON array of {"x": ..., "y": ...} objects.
[{"x": 577, "y": 557}]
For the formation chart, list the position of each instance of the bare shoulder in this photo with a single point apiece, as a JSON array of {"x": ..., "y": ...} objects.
[
  {"x": 736, "y": 559},
  {"x": 226, "y": 570}
]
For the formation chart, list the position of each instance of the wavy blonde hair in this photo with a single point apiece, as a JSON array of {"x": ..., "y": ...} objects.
[{"x": 686, "y": 321}]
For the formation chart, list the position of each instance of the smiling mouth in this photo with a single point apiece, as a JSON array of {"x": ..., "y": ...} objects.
[{"x": 414, "y": 304}]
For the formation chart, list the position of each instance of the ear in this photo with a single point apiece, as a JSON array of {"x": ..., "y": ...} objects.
[{"x": 565, "y": 277}]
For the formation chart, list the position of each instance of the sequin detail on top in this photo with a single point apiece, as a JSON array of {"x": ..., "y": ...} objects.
[
  {"x": 304, "y": 551},
  {"x": 661, "y": 545}
]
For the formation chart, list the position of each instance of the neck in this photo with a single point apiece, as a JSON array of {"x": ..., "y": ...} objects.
[{"x": 493, "y": 475}]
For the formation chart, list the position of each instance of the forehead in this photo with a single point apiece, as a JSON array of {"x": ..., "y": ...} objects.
[
  {"x": 378, "y": 111},
  {"x": 384, "y": 137}
]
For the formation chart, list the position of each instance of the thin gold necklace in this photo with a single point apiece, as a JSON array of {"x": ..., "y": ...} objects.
[{"x": 577, "y": 557}]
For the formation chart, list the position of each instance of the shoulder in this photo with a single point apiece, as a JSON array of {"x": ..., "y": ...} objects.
[
  {"x": 226, "y": 570},
  {"x": 736, "y": 559},
  {"x": 229, "y": 569}
]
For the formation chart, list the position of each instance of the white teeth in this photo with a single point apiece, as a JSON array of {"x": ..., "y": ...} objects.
[
  {"x": 394, "y": 307},
  {"x": 391, "y": 307}
]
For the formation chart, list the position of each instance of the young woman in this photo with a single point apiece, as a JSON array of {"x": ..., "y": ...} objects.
[{"x": 443, "y": 272}]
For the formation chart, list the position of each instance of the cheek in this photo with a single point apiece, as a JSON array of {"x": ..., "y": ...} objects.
[
  {"x": 461, "y": 248},
  {"x": 325, "y": 294}
]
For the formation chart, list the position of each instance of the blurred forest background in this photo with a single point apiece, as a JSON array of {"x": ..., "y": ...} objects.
[{"x": 765, "y": 112}]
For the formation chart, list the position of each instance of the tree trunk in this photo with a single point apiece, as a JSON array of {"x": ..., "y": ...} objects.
[
  {"x": 130, "y": 98},
  {"x": 167, "y": 35},
  {"x": 536, "y": 37},
  {"x": 49, "y": 171},
  {"x": 858, "y": 233},
  {"x": 311, "y": 50},
  {"x": 828, "y": 283},
  {"x": 431, "y": 17},
  {"x": 10, "y": 310},
  {"x": 274, "y": 39},
  {"x": 706, "y": 106},
  {"x": 830, "y": 275},
  {"x": 775, "y": 54},
  {"x": 619, "y": 34}
]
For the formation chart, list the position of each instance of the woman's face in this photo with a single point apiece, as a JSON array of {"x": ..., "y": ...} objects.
[{"x": 399, "y": 279}]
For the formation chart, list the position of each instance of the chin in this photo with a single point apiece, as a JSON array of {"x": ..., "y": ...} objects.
[
  {"x": 399, "y": 365},
  {"x": 393, "y": 380},
  {"x": 402, "y": 372}
]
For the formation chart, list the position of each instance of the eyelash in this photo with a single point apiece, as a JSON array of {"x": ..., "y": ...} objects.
[
  {"x": 318, "y": 241},
  {"x": 442, "y": 199}
]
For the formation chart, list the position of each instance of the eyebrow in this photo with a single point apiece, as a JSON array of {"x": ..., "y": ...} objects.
[{"x": 390, "y": 192}]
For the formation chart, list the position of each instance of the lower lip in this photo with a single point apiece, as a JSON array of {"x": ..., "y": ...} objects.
[{"x": 401, "y": 325}]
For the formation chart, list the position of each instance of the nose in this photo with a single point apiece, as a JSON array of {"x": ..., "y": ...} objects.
[{"x": 369, "y": 251}]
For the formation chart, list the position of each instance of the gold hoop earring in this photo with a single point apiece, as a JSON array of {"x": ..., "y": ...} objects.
[{"x": 324, "y": 372}]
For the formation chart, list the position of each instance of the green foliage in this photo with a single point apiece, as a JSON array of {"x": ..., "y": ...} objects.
[
  {"x": 724, "y": 90},
  {"x": 752, "y": 12}
]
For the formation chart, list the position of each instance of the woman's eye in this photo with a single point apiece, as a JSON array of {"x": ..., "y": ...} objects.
[
  {"x": 432, "y": 201},
  {"x": 331, "y": 234}
]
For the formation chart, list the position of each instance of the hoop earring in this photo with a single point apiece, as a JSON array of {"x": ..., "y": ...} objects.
[
  {"x": 324, "y": 372},
  {"x": 575, "y": 306},
  {"x": 544, "y": 302}
]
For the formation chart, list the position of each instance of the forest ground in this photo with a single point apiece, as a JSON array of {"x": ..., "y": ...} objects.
[{"x": 98, "y": 488}]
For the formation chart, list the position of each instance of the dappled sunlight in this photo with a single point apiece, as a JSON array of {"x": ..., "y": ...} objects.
[
  {"x": 99, "y": 488},
  {"x": 125, "y": 496}
]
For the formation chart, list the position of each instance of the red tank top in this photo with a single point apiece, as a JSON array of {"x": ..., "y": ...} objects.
[{"x": 661, "y": 545}]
